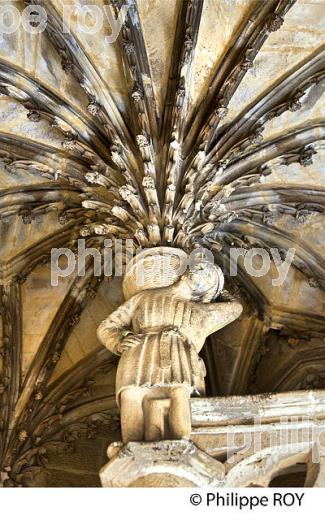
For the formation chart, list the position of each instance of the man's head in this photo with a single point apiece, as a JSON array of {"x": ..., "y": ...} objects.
[{"x": 205, "y": 281}]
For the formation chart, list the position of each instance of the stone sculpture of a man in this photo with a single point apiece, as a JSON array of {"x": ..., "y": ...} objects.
[{"x": 158, "y": 332}]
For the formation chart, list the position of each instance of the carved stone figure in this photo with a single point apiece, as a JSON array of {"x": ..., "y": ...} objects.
[{"x": 158, "y": 332}]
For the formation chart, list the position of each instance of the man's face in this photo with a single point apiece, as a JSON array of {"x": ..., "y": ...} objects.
[{"x": 201, "y": 278}]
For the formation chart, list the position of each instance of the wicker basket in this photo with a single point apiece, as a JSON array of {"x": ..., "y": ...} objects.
[{"x": 153, "y": 268}]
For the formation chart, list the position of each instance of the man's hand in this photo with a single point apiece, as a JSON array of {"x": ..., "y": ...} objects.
[
  {"x": 130, "y": 341},
  {"x": 225, "y": 296}
]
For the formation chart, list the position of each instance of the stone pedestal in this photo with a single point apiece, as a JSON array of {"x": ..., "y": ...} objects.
[
  {"x": 161, "y": 464},
  {"x": 253, "y": 435}
]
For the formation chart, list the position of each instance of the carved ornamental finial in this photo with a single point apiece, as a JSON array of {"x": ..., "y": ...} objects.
[{"x": 275, "y": 22}]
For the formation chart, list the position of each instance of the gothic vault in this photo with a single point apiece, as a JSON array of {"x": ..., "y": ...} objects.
[{"x": 201, "y": 125}]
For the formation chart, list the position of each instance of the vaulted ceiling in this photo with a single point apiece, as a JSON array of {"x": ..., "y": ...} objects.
[{"x": 203, "y": 124}]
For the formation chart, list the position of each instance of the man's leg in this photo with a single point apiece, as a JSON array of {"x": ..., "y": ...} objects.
[
  {"x": 180, "y": 412},
  {"x": 132, "y": 418},
  {"x": 156, "y": 410}
]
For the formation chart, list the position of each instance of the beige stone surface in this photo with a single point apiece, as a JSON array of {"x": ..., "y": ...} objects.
[
  {"x": 276, "y": 345},
  {"x": 40, "y": 302},
  {"x": 299, "y": 37},
  {"x": 83, "y": 339},
  {"x": 220, "y": 22}
]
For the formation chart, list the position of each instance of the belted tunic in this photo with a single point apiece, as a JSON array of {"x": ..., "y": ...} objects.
[{"x": 169, "y": 333}]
